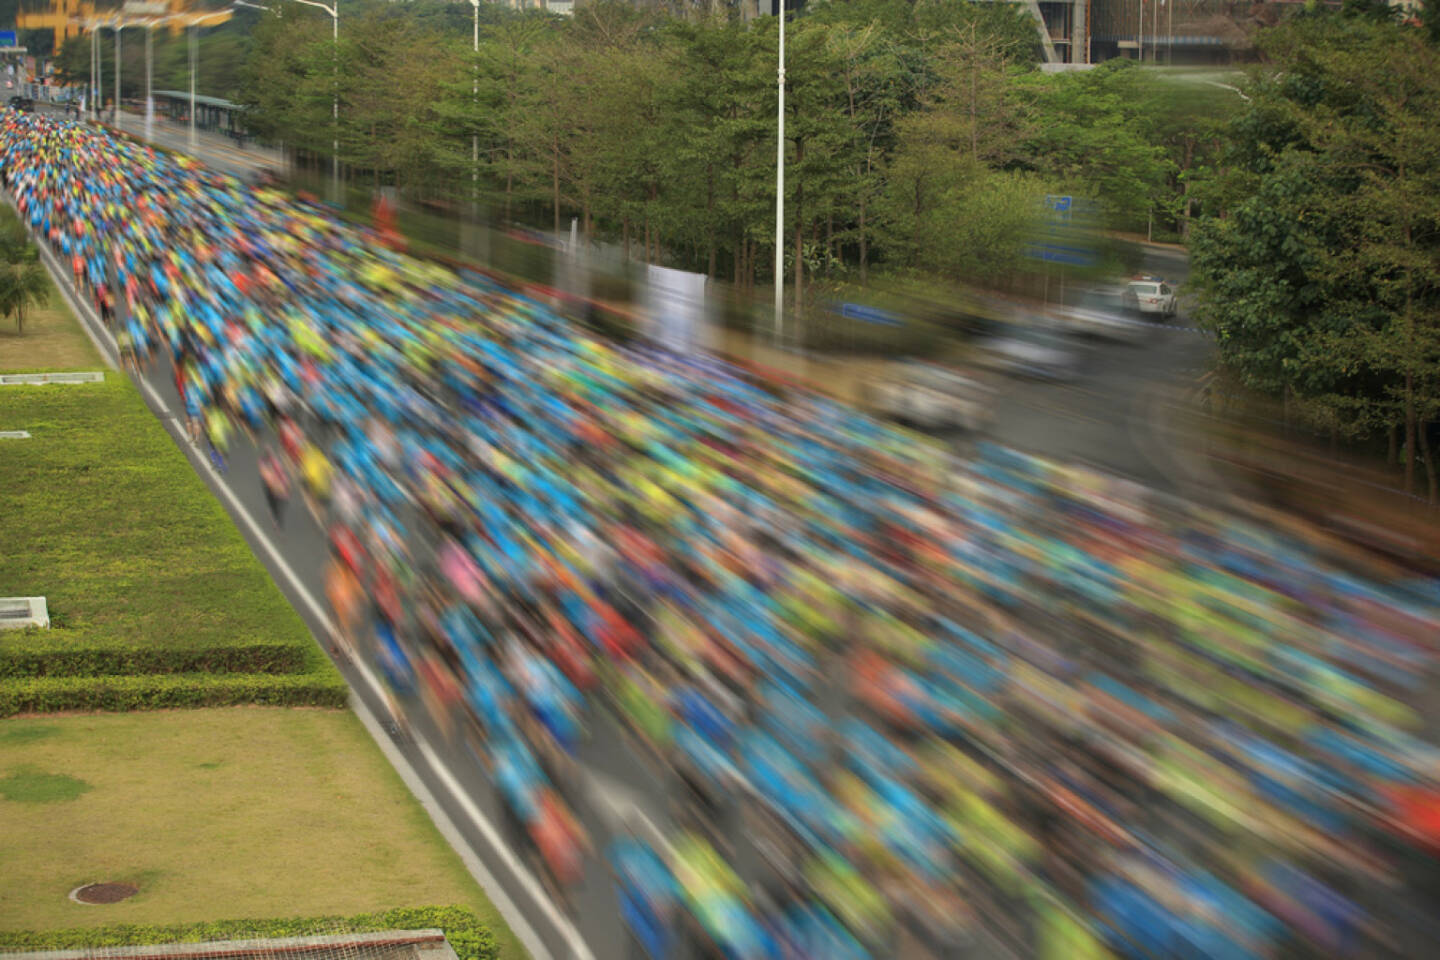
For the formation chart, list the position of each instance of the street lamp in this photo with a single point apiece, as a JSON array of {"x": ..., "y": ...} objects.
[
  {"x": 475, "y": 96},
  {"x": 780, "y": 187},
  {"x": 334, "y": 11},
  {"x": 194, "y": 25},
  {"x": 150, "y": 26}
]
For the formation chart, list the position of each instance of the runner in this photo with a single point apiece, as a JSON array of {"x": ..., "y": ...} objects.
[{"x": 276, "y": 479}]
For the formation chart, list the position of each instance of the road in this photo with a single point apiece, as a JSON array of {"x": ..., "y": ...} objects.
[
  {"x": 1122, "y": 413},
  {"x": 1107, "y": 417}
]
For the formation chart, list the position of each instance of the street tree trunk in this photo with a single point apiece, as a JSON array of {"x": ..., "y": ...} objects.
[{"x": 1429, "y": 461}]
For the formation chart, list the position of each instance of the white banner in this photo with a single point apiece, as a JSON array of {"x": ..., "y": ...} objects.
[{"x": 675, "y": 305}]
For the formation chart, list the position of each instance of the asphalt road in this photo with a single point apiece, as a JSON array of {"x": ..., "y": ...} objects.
[{"x": 1123, "y": 411}]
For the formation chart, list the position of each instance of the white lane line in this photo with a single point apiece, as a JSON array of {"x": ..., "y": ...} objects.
[{"x": 517, "y": 920}]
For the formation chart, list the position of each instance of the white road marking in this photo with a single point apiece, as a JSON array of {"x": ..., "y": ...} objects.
[{"x": 517, "y": 920}]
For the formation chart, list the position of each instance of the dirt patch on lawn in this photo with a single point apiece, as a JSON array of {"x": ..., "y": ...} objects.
[{"x": 98, "y": 893}]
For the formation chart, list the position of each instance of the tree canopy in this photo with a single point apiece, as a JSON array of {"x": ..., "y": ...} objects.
[
  {"x": 1319, "y": 258},
  {"x": 918, "y": 136}
]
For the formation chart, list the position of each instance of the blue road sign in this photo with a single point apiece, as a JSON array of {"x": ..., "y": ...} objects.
[
  {"x": 855, "y": 311},
  {"x": 8, "y": 39},
  {"x": 1073, "y": 256}
]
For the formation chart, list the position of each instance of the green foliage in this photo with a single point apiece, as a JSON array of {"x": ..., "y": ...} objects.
[
  {"x": 469, "y": 937},
  {"x": 23, "y": 281},
  {"x": 29, "y": 784},
  {"x": 147, "y": 580},
  {"x": 322, "y": 688},
  {"x": 1322, "y": 277},
  {"x": 918, "y": 136},
  {"x": 38, "y": 653}
]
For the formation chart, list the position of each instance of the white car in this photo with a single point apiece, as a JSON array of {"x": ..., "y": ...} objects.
[
  {"x": 1031, "y": 351},
  {"x": 930, "y": 397},
  {"x": 1101, "y": 312},
  {"x": 1151, "y": 296}
]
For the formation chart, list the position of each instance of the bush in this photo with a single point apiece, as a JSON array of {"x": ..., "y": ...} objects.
[
  {"x": 39, "y": 654},
  {"x": 322, "y": 688},
  {"x": 470, "y": 938}
]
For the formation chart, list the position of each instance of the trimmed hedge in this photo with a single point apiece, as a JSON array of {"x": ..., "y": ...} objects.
[
  {"x": 470, "y": 938},
  {"x": 36, "y": 654},
  {"x": 322, "y": 688}
]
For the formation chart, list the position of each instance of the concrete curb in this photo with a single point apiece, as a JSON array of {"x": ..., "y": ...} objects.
[{"x": 241, "y": 948}]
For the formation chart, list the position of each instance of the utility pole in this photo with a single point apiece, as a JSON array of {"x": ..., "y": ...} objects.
[{"x": 780, "y": 187}]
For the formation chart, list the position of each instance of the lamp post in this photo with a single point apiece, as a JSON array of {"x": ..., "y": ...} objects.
[
  {"x": 780, "y": 186},
  {"x": 150, "y": 71},
  {"x": 194, "y": 24},
  {"x": 475, "y": 97},
  {"x": 94, "y": 70},
  {"x": 119, "y": 26}
]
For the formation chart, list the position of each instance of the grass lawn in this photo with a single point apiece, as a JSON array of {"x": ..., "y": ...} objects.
[
  {"x": 51, "y": 340},
  {"x": 215, "y": 814},
  {"x": 105, "y": 517}
]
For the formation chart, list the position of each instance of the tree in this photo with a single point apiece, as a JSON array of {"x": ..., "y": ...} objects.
[
  {"x": 1092, "y": 133},
  {"x": 1322, "y": 278},
  {"x": 23, "y": 281}
]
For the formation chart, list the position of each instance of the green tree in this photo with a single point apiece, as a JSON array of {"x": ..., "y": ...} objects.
[
  {"x": 1322, "y": 278},
  {"x": 23, "y": 281},
  {"x": 1092, "y": 133}
]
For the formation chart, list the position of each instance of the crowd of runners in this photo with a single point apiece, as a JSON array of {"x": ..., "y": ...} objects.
[{"x": 953, "y": 703}]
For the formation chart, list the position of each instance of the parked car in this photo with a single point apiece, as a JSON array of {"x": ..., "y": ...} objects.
[
  {"x": 1151, "y": 295},
  {"x": 930, "y": 396},
  {"x": 23, "y": 104},
  {"x": 1101, "y": 312},
  {"x": 1031, "y": 350}
]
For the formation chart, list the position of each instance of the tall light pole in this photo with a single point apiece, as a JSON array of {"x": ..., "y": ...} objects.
[
  {"x": 119, "y": 26},
  {"x": 475, "y": 98},
  {"x": 1155, "y": 31},
  {"x": 150, "y": 26},
  {"x": 94, "y": 68},
  {"x": 194, "y": 24},
  {"x": 780, "y": 186},
  {"x": 194, "y": 68}
]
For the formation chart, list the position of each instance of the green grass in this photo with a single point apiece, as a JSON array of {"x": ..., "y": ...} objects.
[
  {"x": 142, "y": 570},
  {"x": 219, "y": 813},
  {"x": 27, "y": 784},
  {"x": 51, "y": 340}
]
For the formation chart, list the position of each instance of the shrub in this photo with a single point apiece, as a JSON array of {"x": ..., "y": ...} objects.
[
  {"x": 470, "y": 938},
  {"x": 321, "y": 688},
  {"x": 38, "y": 654}
]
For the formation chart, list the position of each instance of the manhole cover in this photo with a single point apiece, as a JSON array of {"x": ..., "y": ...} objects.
[{"x": 104, "y": 892}]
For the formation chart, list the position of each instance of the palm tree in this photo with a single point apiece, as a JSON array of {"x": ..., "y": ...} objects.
[
  {"x": 22, "y": 285},
  {"x": 23, "y": 281}
]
